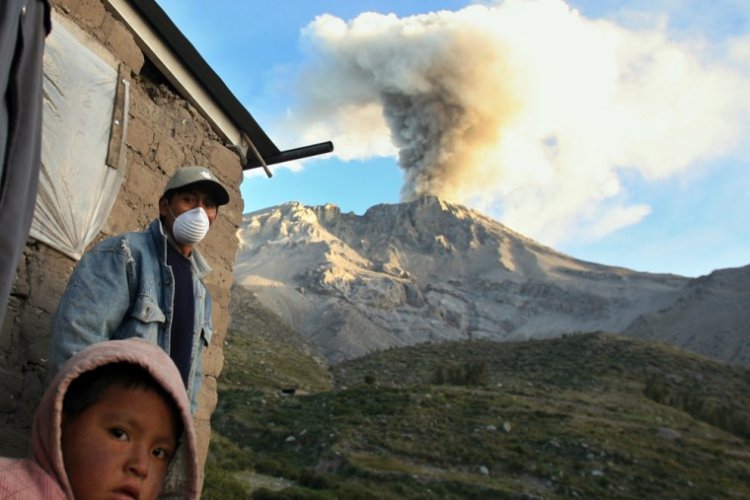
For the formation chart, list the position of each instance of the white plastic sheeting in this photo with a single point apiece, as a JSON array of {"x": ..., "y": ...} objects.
[{"x": 76, "y": 187}]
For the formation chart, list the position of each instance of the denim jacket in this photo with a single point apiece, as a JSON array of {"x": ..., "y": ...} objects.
[{"x": 124, "y": 288}]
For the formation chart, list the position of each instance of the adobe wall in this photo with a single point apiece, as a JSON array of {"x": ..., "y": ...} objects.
[{"x": 164, "y": 133}]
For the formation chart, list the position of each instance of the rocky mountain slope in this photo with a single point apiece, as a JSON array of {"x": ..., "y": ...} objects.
[
  {"x": 711, "y": 316},
  {"x": 429, "y": 270}
]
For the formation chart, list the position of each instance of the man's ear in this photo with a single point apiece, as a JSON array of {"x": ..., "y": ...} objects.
[
  {"x": 163, "y": 207},
  {"x": 211, "y": 222}
]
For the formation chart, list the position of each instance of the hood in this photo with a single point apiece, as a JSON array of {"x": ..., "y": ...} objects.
[{"x": 46, "y": 431}]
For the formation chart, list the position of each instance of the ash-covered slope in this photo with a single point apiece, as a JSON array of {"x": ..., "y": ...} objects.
[
  {"x": 429, "y": 271},
  {"x": 711, "y": 316}
]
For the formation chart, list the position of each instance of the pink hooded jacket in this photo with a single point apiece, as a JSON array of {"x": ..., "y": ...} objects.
[{"x": 44, "y": 476}]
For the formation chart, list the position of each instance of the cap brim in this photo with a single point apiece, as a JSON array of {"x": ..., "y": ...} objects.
[{"x": 221, "y": 196}]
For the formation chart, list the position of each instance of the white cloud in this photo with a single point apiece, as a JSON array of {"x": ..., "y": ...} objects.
[{"x": 525, "y": 109}]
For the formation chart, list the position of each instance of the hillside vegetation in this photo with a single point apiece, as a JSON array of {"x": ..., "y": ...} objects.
[
  {"x": 262, "y": 352},
  {"x": 588, "y": 416}
]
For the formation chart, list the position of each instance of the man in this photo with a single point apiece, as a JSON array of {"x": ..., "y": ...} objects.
[{"x": 148, "y": 284}]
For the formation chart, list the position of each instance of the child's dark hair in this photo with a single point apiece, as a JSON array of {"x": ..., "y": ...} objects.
[{"x": 89, "y": 387}]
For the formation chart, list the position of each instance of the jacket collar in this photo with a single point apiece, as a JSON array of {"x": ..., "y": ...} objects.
[{"x": 199, "y": 264}]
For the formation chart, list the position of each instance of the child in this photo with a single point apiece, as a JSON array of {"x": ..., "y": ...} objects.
[{"x": 108, "y": 426}]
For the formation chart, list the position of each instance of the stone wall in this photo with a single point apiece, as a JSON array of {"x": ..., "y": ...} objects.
[{"x": 164, "y": 133}]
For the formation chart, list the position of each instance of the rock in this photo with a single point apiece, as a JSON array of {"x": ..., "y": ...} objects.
[{"x": 668, "y": 434}]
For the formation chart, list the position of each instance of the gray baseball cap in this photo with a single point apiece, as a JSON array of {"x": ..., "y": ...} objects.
[{"x": 192, "y": 175}]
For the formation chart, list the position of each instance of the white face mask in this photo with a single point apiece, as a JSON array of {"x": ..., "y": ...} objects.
[{"x": 190, "y": 227}]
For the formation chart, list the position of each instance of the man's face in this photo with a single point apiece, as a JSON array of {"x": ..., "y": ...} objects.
[
  {"x": 187, "y": 199},
  {"x": 120, "y": 446}
]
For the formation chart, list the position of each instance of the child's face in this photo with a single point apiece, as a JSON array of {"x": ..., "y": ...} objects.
[{"x": 120, "y": 446}]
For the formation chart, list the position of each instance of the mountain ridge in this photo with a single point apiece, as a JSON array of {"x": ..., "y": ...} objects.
[{"x": 430, "y": 270}]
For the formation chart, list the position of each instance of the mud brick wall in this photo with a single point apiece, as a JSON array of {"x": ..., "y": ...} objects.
[{"x": 164, "y": 133}]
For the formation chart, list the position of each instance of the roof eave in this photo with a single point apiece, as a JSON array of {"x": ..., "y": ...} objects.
[{"x": 165, "y": 45}]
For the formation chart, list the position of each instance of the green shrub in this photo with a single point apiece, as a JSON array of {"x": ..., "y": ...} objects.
[
  {"x": 272, "y": 467},
  {"x": 287, "y": 494},
  {"x": 315, "y": 481},
  {"x": 221, "y": 485},
  {"x": 226, "y": 455},
  {"x": 354, "y": 491},
  {"x": 725, "y": 416},
  {"x": 468, "y": 374}
]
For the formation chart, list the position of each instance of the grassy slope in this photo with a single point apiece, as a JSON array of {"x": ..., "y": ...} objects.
[
  {"x": 261, "y": 352},
  {"x": 576, "y": 416}
]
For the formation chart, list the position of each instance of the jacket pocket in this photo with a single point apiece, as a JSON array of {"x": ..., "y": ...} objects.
[{"x": 146, "y": 310}]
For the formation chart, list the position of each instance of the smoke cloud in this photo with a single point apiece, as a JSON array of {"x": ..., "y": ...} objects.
[{"x": 525, "y": 110}]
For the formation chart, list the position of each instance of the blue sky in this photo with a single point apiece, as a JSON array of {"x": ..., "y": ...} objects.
[{"x": 616, "y": 127}]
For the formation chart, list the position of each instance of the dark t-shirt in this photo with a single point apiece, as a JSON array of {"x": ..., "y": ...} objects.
[{"x": 183, "y": 317}]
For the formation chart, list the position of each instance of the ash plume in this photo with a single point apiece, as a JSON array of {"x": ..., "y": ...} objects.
[{"x": 524, "y": 109}]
